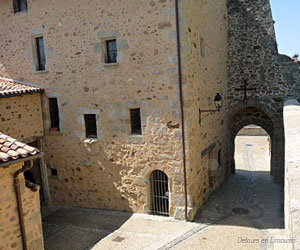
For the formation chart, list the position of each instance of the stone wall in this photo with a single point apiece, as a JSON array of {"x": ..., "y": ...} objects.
[
  {"x": 112, "y": 171},
  {"x": 204, "y": 48},
  {"x": 252, "y": 130},
  {"x": 21, "y": 116},
  {"x": 253, "y": 57},
  {"x": 292, "y": 163},
  {"x": 10, "y": 234}
]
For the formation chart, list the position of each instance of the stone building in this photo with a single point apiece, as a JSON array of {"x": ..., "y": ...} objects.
[
  {"x": 126, "y": 90},
  {"x": 116, "y": 98},
  {"x": 21, "y": 226},
  {"x": 21, "y": 117}
]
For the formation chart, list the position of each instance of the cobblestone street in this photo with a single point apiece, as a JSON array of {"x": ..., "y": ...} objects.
[{"x": 245, "y": 212}]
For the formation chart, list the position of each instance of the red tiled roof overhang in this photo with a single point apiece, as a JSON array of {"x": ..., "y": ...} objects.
[
  {"x": 12, "y": 88},
  {"x": 12, "y": 150}
]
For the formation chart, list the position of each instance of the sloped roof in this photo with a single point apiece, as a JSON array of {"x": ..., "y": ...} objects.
[
  {"x": 10, "y": 87},
  {"x": 12, "y": 150}
]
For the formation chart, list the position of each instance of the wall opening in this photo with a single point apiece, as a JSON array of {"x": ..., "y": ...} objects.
[
  {"x": 159, "y": 182},
  {"x": 252, "y": 149}
]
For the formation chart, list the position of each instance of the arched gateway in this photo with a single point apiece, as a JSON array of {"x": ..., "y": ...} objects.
[{"x": 257, "y": 114}]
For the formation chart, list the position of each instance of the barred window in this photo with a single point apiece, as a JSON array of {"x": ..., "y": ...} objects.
[
  {"x": 135, "y": 115},
  {"x": 90, "y": 126}
]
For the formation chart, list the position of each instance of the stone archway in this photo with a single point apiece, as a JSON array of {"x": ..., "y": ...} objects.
[{"x": 266, "y": 118}]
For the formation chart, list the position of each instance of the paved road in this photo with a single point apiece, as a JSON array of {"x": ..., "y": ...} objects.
[{"x": 244, "y": 213}]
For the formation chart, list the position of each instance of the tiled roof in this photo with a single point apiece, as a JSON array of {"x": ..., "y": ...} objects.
[
  {"x": 12, "y": 149},
  {"x": 11, "y": 88}
]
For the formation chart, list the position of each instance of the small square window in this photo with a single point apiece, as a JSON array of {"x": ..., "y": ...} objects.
[
  {"x": 20, "y": 5},
  {"x": 39, "y": 56},
  {"x": 54, "y": 172},
  {"x": 54, "y": 114},
  {"x": 90, "y": 126},
  {"x": 136, "y": 127},
  {"x": 111, "y": 51}
]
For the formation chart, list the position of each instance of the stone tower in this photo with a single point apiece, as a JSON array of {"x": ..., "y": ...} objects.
[{"x": 254, "y": 64}]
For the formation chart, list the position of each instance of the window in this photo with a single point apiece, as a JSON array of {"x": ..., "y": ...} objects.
[
  {"x": 20, "y": 5},
  {"x": 40, "y": 54},
  {"x": 135, "y": 116},
  {"x": 202, "y": 47},
  {"x": 54, "y": 172},
  {"x": 220, "y": 158},
  {"x": 111, "y": 51},
  {"x": 54, "y": 114},
  {"x": 90, "y": 126}
]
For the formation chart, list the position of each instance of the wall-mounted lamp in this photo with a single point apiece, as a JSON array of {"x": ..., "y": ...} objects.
[{"x": 218, "y": 103}]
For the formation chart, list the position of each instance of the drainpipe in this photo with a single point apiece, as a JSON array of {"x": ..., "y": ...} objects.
[
  {"x": 19, "y": 201},
  {"x": 181, "y": 106}
]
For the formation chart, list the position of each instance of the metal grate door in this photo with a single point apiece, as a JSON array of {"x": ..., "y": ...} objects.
[{"x": 159, "y": 193}]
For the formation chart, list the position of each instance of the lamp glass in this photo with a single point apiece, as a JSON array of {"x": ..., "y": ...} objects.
[{"x": 218, "y": 101}]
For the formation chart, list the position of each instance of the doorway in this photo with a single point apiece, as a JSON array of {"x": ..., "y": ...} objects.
[{"x": 159, "y": 182}]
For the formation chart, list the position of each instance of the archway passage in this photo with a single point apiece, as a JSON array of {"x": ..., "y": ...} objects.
[
  {"x": 159, "y": 193},
  {"x": 253, "y": 149},
  {"x": 254, "y": 115},
  {"x": 256, "y": 186}
]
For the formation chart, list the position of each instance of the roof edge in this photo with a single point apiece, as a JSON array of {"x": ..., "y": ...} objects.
[
  {"x": 11, "y": 162},
  {"x": 22, "y": 82}
]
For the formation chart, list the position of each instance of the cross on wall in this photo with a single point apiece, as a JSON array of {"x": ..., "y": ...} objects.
[{"x": 245, "y": 89}]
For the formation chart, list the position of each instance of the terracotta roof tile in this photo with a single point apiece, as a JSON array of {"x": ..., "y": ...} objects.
[
  {"x": 11, "y": 149},
  {"x": 11, "y": 88}
]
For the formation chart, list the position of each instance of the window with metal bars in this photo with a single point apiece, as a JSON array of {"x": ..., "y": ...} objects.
[
  {"x": 54, "y": 114},
  {"x": 40, "y": 53},
  {"x": 20, "y": 5},
  {"x": 111, "y": 51},
  {"x": 159, "y": 193},
  {"x": 135, "y": 116},
  {"x": 90, "y": 126}
]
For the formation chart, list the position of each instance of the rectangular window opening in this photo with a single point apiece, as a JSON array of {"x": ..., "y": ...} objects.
[
  {"x": 40, "y": 54},
  {"x": 136, "y": 127},
  {"x": 202, "y": 47},
  {"x": 54, "y": 172},
  {"x": 54, "y": 114},
  {"x": 90, "y": 126},
  {"x": 111, "y": 51},
  {"x": 20, "y": 5}
]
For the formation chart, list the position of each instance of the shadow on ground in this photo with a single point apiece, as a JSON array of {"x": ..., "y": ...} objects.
[
  {"x": 250, "y": 195},
  {"x": 77, "y": 228}
]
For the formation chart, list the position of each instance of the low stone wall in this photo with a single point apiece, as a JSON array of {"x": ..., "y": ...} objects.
[
  {"x": 253, "y": 130},
  {"x": 10, "y": 233},
  {"x": 292, "y": 173}
]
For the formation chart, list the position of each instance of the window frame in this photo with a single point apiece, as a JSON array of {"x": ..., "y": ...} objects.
[
  {"x": 87, "y": 126},
  {"x": 202, "y": 46},
  {"x": 17, "y": 6},
  {"x": 54, "y": 128},
  {"x": 106, "y": 51},
  {"x": 133, "y": 122},
  {"x": 40, "y": 66}
]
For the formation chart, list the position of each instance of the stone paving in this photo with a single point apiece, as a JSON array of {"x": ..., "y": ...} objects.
[{"x": 244, "y": 213}]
